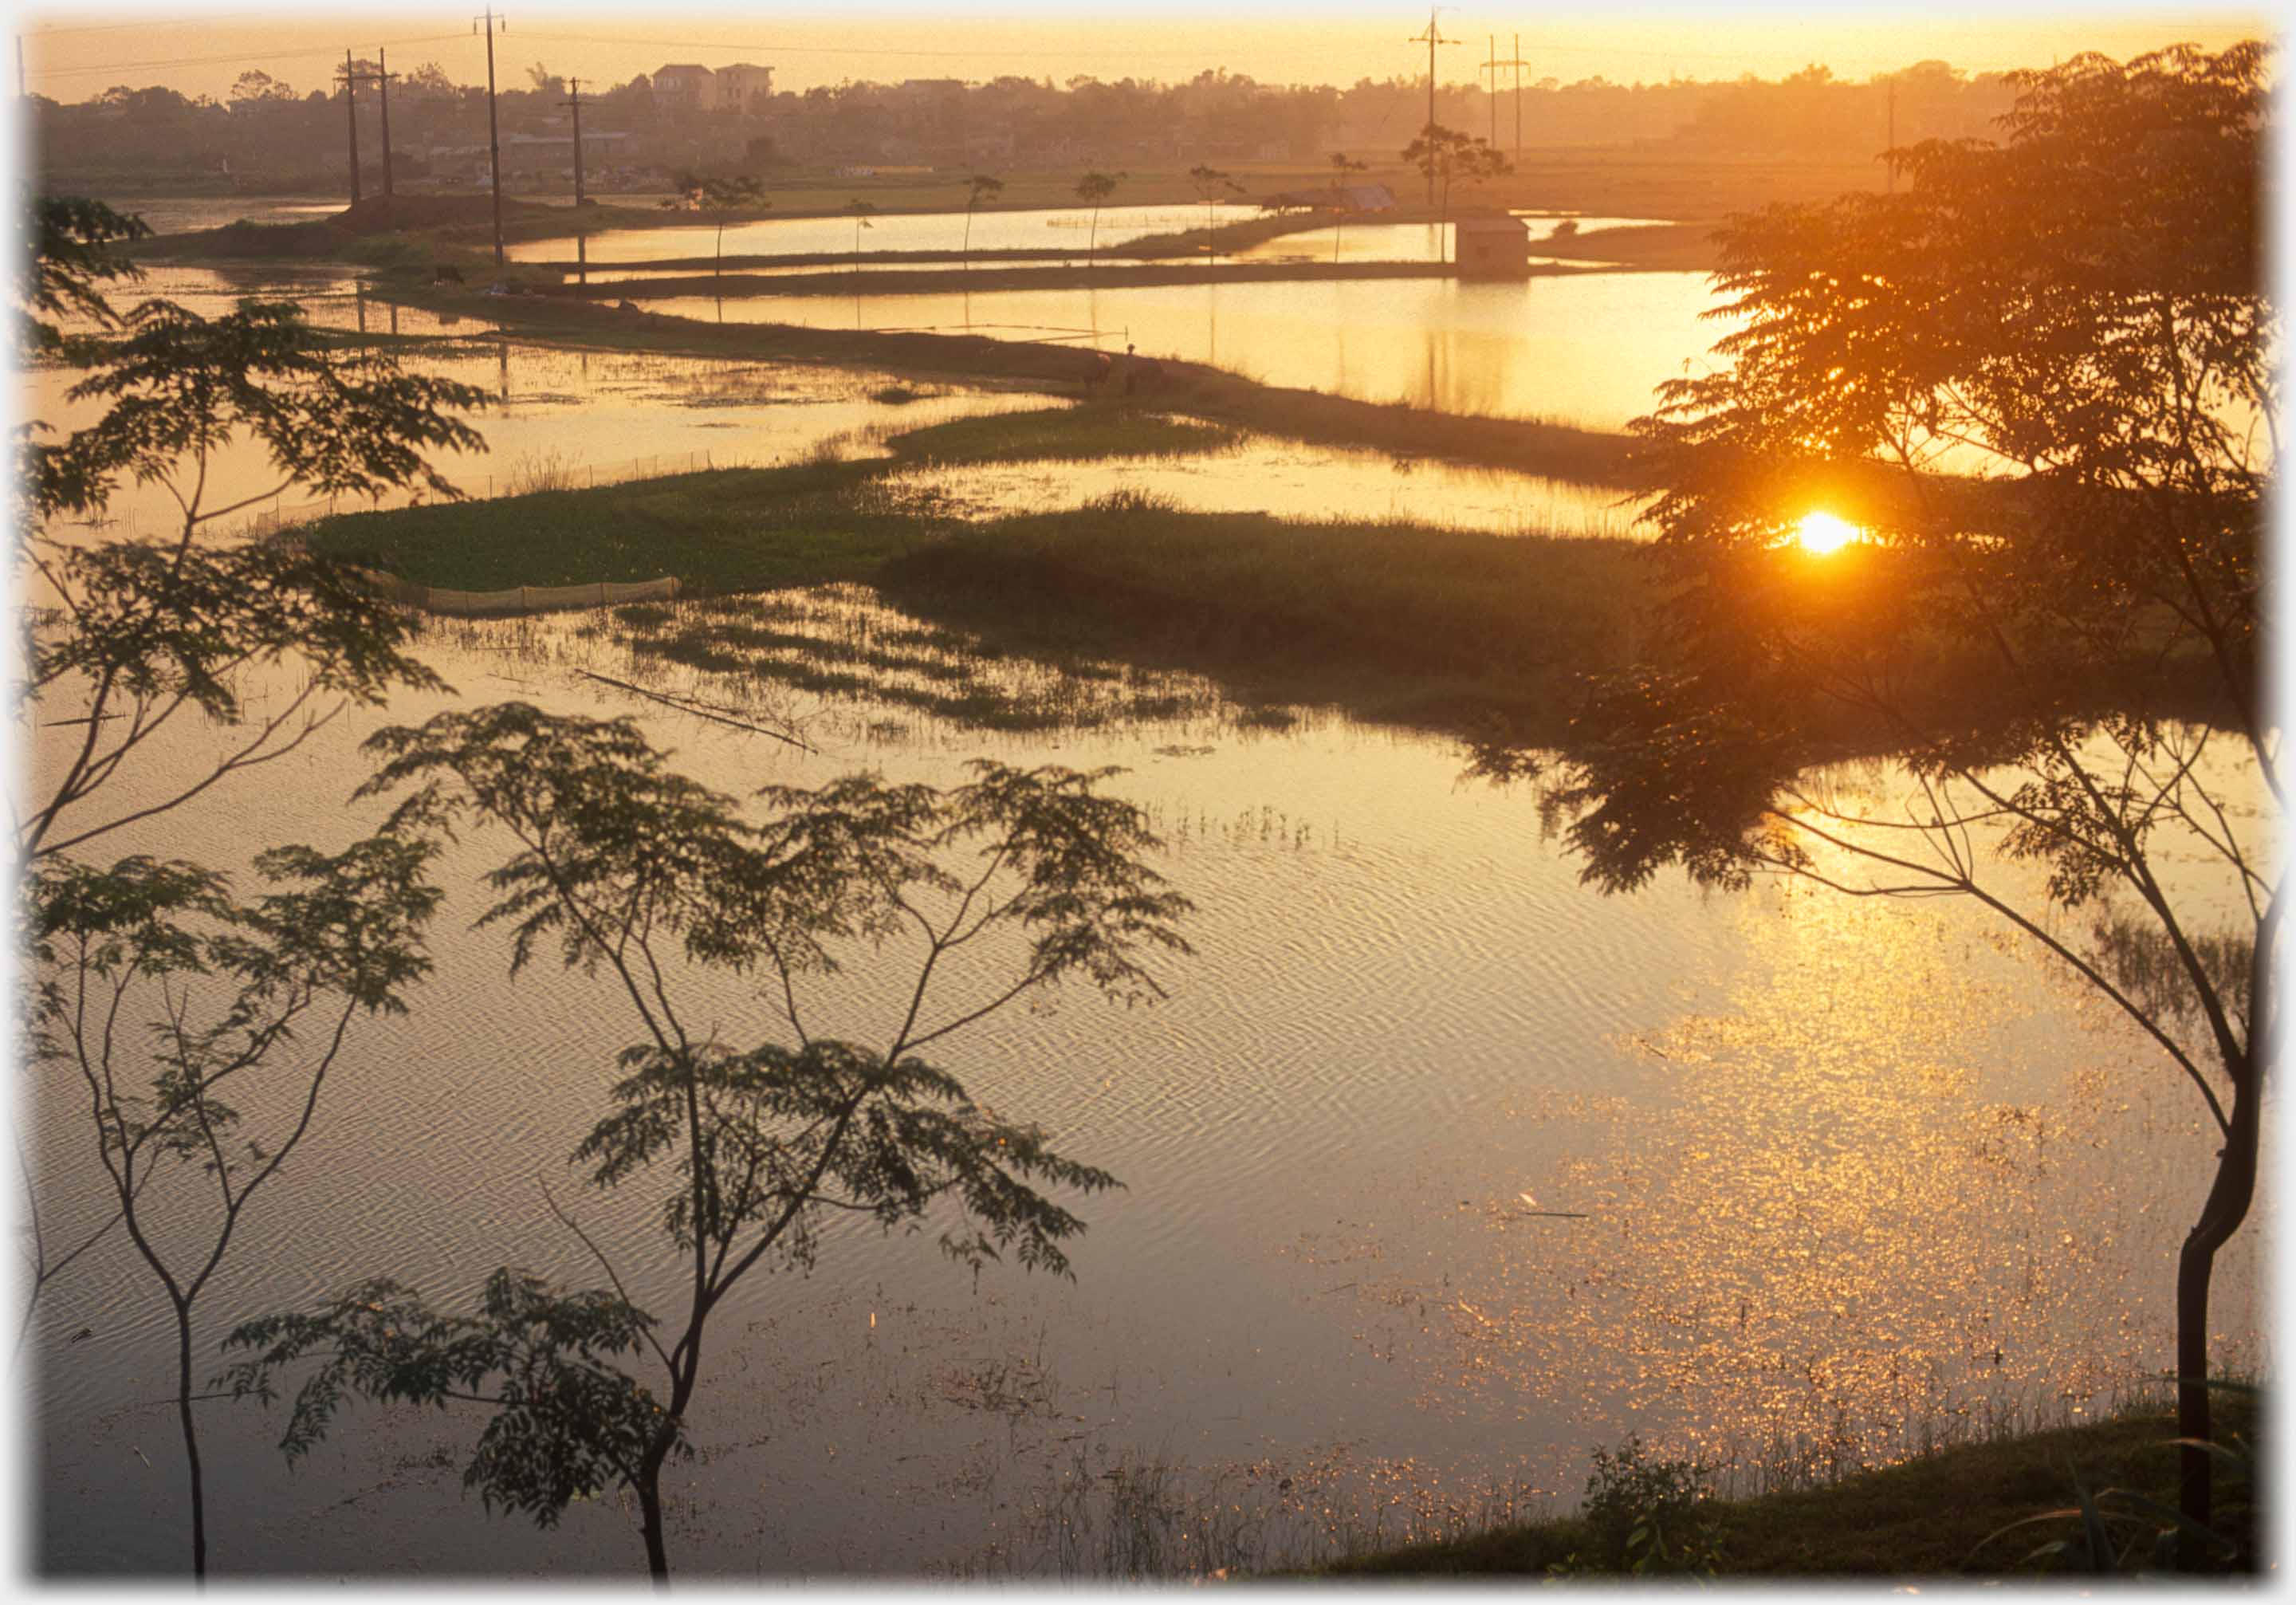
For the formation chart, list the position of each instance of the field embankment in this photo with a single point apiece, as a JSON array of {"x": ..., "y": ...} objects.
[
  {"x": 1525, "y": 444},
  {"x": 993, "y": 275}
]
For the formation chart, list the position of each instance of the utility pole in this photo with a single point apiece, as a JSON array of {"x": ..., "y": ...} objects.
[
  {"x": 574, "y": 99},
  {"x": 1491, "y": 96},
  {"x": 1518, "y": 63},
  {"x": 1431, "y": 38},
  {"x": 383, "y": 77},
  {"x": 350, "y": 112},
  {"x": 493, "y": 140},
  {"x": 19, "y": 67}
]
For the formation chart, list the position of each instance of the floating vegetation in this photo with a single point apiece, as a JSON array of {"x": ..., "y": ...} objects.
[{"x": 838, "y": 643}]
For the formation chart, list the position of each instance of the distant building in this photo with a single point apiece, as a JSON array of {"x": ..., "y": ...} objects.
[
  {"x": 1493, "y": 248},
  {"x": 685, "y": 83},
  {"x": 740, "y": 85}
]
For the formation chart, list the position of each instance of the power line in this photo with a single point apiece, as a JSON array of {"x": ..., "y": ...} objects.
[
  {"x": 1518, "y": 63},
  {"x": 146, "y": 26},
  {"x": 727, "y": 47},
  {"x": 231, "y": 60}
]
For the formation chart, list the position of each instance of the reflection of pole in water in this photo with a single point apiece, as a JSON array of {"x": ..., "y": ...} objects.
[
  {"x": 359, "y": 301},
  {"x": 502, "y": 350},
  {"x": 394, "y": 319},
  {"x": 581, "y": 259}
]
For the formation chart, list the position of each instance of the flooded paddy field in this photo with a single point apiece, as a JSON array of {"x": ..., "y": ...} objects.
[
  {"x": 564, "y": 418},
  {"x": 1584, "y": 349},
  {"x": 1289, "y": 480},
  {"x": 1833, "y": 1178},
  {"x": 559, "y": 417}
]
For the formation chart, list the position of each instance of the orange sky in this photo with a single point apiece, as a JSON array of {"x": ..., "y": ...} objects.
[{"x": 71, "y": 53}]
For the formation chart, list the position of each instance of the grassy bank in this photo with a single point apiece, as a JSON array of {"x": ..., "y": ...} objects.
[
  {"x": 1935, "y": 1516},
  {"x": 732, "y": 530},
  {"x": 1394, "y": 622},
  {"x": 1391, "y": 620}
]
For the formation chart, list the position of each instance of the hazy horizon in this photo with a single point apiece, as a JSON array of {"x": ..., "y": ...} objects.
[{"x": 72, "y": 55}]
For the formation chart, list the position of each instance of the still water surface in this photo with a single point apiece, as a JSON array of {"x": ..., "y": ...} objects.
[
  {"x": 1061, "y": 228},
  {"x": 1851, "y": 1172},
  {"x": 1585, "y": 350},
  {"x": 602, "y": 415}
]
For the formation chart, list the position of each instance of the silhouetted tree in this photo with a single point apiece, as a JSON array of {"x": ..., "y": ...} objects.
[
  {"x": 1210, "y": 184},
  {"x": 719, "y": 197},
  {"x": 1341, "y": 168},
  {"x": 860, "y": 211},
  {"x": 980, "y": 187},
  {"x": 1094, "y": 189},
  {"x": 1445, "y": 154},
  {"x": 636, "y": 871},
  {"x": 122, "y": 637},
  {"x": 125, "y": 956},
  {"x": 2079, "y": 313}
]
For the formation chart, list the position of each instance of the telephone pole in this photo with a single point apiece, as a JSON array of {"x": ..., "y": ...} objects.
[
  {"x": 493, "y": 140},
  {"x": 1491, "y": 96},
  {"x": 1518, "y": 63},
  {"x": 574, "y": 100},
  {"x": 383, "y": 77},
  {"x": 1431, "y": 38},
  {"x": 350, "y": 115}
]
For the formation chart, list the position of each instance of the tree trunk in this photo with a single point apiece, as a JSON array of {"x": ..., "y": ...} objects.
[
  {"x": 2221, "y": 1216},
  {"x": 191, "y": 1442},
  {"x": 649, "y": 1486}
]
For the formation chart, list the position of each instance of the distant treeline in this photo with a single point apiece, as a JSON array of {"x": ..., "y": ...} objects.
[{"x": 268, "y": 130}]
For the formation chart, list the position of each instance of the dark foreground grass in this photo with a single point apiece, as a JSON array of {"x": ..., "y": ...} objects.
[{"x": 1929, "y": 1517}]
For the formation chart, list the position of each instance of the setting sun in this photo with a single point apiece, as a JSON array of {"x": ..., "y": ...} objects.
[{"x": 1821, "y": 532}]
